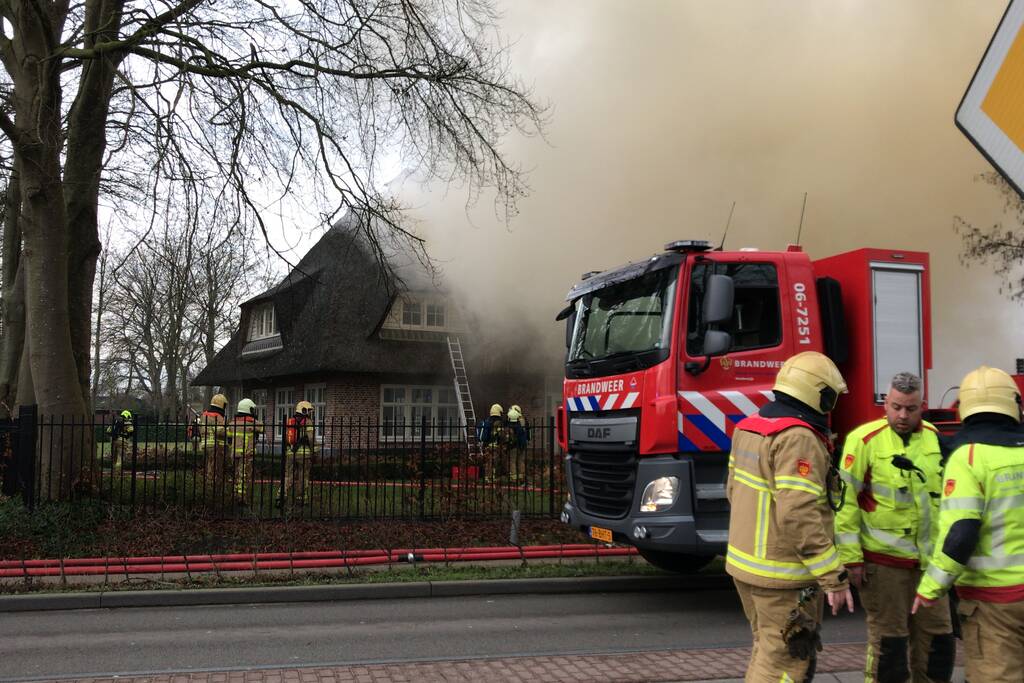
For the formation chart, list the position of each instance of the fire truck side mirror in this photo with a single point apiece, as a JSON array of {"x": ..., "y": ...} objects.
[
  {"x": 718, "y": 299},
  {"x": 716, "y": 342}
]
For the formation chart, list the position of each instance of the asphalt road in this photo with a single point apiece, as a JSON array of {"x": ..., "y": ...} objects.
[{"x": 135, "y": 640}]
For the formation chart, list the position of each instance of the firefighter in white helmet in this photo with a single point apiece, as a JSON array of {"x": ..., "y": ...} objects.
[
  {"x": 781, "y": 553},
  {"x": 980, "y": 546},
  {"x": 244, "y": 431},
  {"x": 892, "y": 467},
  {"x": 300, "y": 437},
  {"x": 213, "y": 434}
]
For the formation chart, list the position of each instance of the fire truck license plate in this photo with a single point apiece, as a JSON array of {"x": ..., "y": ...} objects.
[{"x": 601, "y": 534}]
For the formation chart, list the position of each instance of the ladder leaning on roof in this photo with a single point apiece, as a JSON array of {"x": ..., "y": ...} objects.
[{"x": 462, "y": 391}]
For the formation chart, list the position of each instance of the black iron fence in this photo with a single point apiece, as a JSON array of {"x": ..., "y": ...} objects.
[{"x": 353, "y": 469}]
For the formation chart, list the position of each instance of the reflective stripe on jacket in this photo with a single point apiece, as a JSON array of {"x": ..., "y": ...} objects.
[
  {"x": 986, "y": 483},
  {"x": 243, "y": 430},
  {"x": 780, "y": 524},
  {"x": 888, "y": 513}
]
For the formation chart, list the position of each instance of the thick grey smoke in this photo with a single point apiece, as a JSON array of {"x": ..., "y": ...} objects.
[{"x": 666, "y": 112}]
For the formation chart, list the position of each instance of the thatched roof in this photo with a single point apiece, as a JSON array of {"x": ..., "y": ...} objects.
[{"x": 329, "y": 309}]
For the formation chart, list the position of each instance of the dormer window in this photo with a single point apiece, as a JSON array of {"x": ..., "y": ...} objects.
[
  {"x": 435, "y": 315},
  {"x": 412, "y": 313},
  {"x": 262, "y": 322}
]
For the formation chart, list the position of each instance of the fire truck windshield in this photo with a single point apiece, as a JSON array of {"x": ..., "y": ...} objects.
[{"x": 631, "y": 318}]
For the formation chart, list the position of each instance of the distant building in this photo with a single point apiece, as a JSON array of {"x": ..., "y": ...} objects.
[{"x": 361, "y": 342}]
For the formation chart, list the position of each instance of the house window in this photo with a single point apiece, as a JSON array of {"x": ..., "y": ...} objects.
[
  {"x": 259, "y": 397},
  {"x": 317, "y": 395},
  {"x": 435, "y": 315},
  {"x": 284, "y": 405},
  {"x": 402, "y": 409},
  {"x": 412, "y": 313},
  {"x": 262, "y": 322}
]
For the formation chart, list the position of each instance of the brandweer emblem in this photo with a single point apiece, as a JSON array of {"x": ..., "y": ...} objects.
[
  {"x": 950, "y": 485},
  {"x": 803, "y": 467},
  {"x": 725, "y": 362},
  {"x": 848, "y": 460}
]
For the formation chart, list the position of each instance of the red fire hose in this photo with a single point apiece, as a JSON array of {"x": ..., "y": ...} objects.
[{"x": 330, "y": 559}]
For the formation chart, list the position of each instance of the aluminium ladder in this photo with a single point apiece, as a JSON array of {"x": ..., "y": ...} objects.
[{"x": 462, "y": 391}]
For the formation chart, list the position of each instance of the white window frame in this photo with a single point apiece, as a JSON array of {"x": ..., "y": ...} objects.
[
  {"x": 311, "y": 391},
  {"x": 411, "y": 412},
  {"x": 412, "y": 308},
  {"x": 260, "y": 397},
  {"x": 284, "y": 405},
  {"x": 262, "y": 322},
  {"x": 439, "y": 312}
]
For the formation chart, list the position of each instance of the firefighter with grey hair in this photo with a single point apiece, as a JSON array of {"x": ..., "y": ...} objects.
[{"x": 886, "y": 532}]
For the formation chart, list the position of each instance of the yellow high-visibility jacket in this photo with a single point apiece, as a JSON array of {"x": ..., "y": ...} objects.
[
  {"x": 982, "y": 511},
  {"x": 888, "y": 514}
]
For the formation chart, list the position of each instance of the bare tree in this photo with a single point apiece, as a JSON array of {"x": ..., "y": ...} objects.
[
  {"x": 240, "y": 101},
  {"x": 174, "y": 301},
  {"x": 1001, "y": 245}
]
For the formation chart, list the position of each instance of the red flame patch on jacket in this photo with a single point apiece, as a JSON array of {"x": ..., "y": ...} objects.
[
  {"x": 950, "y": 485},
  {"x": 848, "y": 460},
  {"x": 803, "y": 467}
]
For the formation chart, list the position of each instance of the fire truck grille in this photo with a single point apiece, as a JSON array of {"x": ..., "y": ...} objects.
[{"x": 604, "y": 482}]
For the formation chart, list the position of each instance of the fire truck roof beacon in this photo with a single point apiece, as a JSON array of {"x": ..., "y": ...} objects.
[{"x": 688, "y": 245}]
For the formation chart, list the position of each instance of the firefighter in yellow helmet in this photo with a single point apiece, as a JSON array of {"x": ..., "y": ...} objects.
[
  {"x": 980, "y": 546},
  {"x": 781, "y": 553},
  {"x": 300, "y": 437},
  {"x": 892, "y": 467},
  {"x": 213, "y": 435},
  {"x": 121, "y": 432},
  {"x": 244, "y": 431},
  {"x": 492, "y": 435},
  {"x": 519, "y": 439}
]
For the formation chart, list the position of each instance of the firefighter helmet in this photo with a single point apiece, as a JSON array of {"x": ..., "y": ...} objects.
[
  {"x": 989, "y": 390},
  {"x": 811, "y": 378},
  {"x": 496, "y": 410},
  {"x": 303, "y": 407},
  {"x": 246, "y": 406},
  {"x": 126, "y": 414},
  {"x": 219, "y": 401},
  {"x": 514, "y": 413}
]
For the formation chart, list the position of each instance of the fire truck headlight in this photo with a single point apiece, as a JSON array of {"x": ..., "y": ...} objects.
[{"x": 660, "y": 494}]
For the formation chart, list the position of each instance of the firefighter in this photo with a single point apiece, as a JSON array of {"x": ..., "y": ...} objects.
[
  {"x": 492, "y": 434},
  {"x": 885, "y": 532},
  {"x": 244, "y": 431},
  {"x": 781, "y": 553},
  {"x": 120, "y": 431},
  {"x": 213, "y": 434},
  {"x": 980, "y": 545},
  {"x": 301, "y": 440},
  {"x": 519, "y": 439}
]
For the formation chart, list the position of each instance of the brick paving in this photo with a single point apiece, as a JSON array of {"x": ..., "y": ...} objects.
[{"x": 667, "y": 665}]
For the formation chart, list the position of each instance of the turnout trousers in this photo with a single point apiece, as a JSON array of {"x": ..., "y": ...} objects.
[
  {"x": 767, "y": 610},
  {"x": 904, "y": 647},
  {"x": 993, "y": 640}
]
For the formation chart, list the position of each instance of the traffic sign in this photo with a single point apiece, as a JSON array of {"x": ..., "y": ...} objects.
[{"x": 991, "y": 113}]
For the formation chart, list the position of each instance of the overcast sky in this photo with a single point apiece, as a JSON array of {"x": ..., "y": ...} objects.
[{"x": 665, "y": 112}]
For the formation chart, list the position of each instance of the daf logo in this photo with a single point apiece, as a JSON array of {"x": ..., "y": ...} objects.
[{"x": 599, "y": 432}]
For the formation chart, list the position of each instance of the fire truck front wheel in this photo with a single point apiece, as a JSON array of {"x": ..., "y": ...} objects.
[{"x": 676, "y": 562}]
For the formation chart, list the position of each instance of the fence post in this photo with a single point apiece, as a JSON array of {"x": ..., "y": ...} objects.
[
  {"x": 551, "y": 465},
  {"x": 423, "y": 464},
  {"x": 135, "y": 455},
  {"x": 28, "y": 417},
  {"x": 283, "y": 499}
]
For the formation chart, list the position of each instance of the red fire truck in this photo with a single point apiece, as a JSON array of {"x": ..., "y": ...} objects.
[{"x": 667, "y": 354}]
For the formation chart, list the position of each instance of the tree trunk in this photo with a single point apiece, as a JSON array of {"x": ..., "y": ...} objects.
[{"x": 13, "y": 339}]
